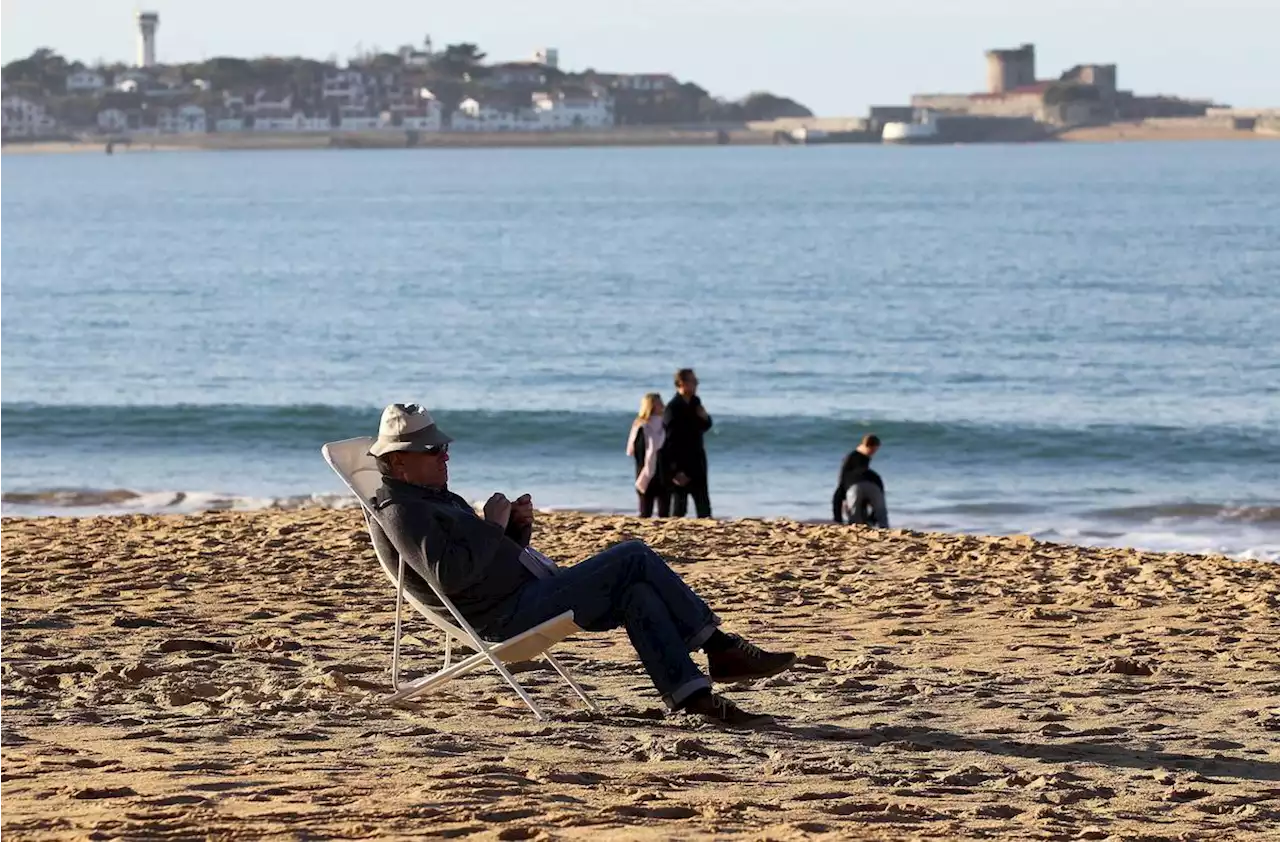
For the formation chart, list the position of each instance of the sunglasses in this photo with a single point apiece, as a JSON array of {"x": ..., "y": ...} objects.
[{"x": 435, "y": 449}]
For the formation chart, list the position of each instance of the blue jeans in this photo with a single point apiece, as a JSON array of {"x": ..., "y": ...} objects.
[{"x": 626, "y": 585}]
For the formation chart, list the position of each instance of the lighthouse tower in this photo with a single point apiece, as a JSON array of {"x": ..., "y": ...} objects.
[{"x": 147, "y": 23}]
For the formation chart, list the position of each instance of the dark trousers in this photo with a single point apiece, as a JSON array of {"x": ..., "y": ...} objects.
[
  {"x": 626, "y": 585},
  {"x": 655, "y": 493},
  {"x": 697, "y": 487}
]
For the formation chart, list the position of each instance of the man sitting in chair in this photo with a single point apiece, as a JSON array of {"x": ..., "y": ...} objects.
[{"x": 504, "y": 588}]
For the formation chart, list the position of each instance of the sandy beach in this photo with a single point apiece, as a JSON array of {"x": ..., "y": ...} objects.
[{"x": 218, "y": 676}]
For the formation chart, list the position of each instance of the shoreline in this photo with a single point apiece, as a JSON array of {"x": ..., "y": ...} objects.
[
  {"x": 248, "y": 141},
  {"x": 181, "y": 504},
  {"x": 220, "y": 674},
  {"x": 177, "y": 506},
  {"x": 399, "y": 139}
]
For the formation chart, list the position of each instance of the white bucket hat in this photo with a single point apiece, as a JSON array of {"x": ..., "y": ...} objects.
[{"x": 407, "y": 426}]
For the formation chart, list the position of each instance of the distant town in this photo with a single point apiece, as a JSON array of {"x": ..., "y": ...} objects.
[
  {"x": 419, "y": 91},
  {"x": 416, "y": 88}
]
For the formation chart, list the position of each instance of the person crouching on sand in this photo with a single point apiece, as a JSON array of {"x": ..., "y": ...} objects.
[
  {"x": 860, "y": 493},
  {"x": 504, "y": 588},
  {"x": 645, "y": 444}
]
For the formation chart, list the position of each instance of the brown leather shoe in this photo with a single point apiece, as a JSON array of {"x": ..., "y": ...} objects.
[
  {"x": 716, "y": 708},
  {"x": 744, "y": 661}
]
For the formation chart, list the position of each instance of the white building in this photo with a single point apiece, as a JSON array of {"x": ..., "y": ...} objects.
[
  {"x": 345, "y": 85},
  {"x": 270, "y": 103},
  {"x": 295, "y": 122},
  {"x": 573, "y": 110},
  {"x": 183, "y": 119},
  {"x": 229, "y": 124},
  {"x": 166, "y": 121},
  {"x": 550, "y": 56},
  {"x": 85, "y": 80},
  {"x": 413, "y": 57},
  {"x": 113, "y": 120},
  {"x": 191, "y": 119},
  {"x": 423, "y": 113},
  {"x": 493, "y": 116},
  {"x": 425, "y": 116},
  {"x": 147, "y": 23},
  {"x": 24, "y": 118}
]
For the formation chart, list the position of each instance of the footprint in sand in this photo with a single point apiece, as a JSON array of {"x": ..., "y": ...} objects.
[{"x": 179, "y": 644}]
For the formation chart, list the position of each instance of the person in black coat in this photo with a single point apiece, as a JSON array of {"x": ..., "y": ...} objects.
[
  {"x": 684, "y": 455},
  {"x": 868, "y": 505}
]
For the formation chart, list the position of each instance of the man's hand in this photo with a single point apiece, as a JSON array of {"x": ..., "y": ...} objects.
[
  {"x": 498, "y": 510},
  {"x": 702, "y": 413},
  {"x": 681, "y": 479},
  {"x": 522, "y": 511}
]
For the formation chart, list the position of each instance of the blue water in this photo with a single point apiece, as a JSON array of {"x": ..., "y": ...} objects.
[{"x": 1076, "y": 341}]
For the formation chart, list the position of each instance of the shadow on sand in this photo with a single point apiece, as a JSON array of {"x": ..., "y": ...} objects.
[{"x": 919, "y": 738}]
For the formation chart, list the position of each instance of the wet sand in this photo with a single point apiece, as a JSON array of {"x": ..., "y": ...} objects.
[{"x": 218, "y": 676}]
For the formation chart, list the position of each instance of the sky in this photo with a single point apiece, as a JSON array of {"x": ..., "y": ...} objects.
[{"x": 835, "y": 56}]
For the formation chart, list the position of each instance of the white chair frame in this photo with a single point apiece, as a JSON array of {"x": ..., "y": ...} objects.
[{"x": 350, "y": 459}]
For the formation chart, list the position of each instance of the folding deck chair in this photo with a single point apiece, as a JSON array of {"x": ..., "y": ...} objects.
[{"x": 350, "y": 459}]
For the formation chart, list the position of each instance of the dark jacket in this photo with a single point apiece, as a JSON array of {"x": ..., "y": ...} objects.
[
  {"x": 638, "y": 446},
  {"x": 855, "y": 469},
  {"x": 683, "y": 451},
  {"x": 477, "y": 562}
]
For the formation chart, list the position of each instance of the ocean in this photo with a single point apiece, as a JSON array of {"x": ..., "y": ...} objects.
[{"x": 1077, "y": 342}]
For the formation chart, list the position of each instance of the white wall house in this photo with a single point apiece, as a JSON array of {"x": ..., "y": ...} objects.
[
  {"x": 345, "y": 85},
  {"x": 229, "y": 124},
  {"x": 295, "y": 122},
  {"x": 424, "y": 114},
  {"x": 190, "y": 119},
  {"x": 475, "y": 116},
  {"x": 427, "y": 117},
  {"x": 85, "y": 80},
  {"x": 267, "y": 103},
  {"x": 562, "y": 110},
  {"x": 166, "y": 121},
  {"x": 413, "y": 57},
  {"x": 234, "y": 104},
  {"x": 24, "y": 118},
  {"x": 113, "y": 120}
]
